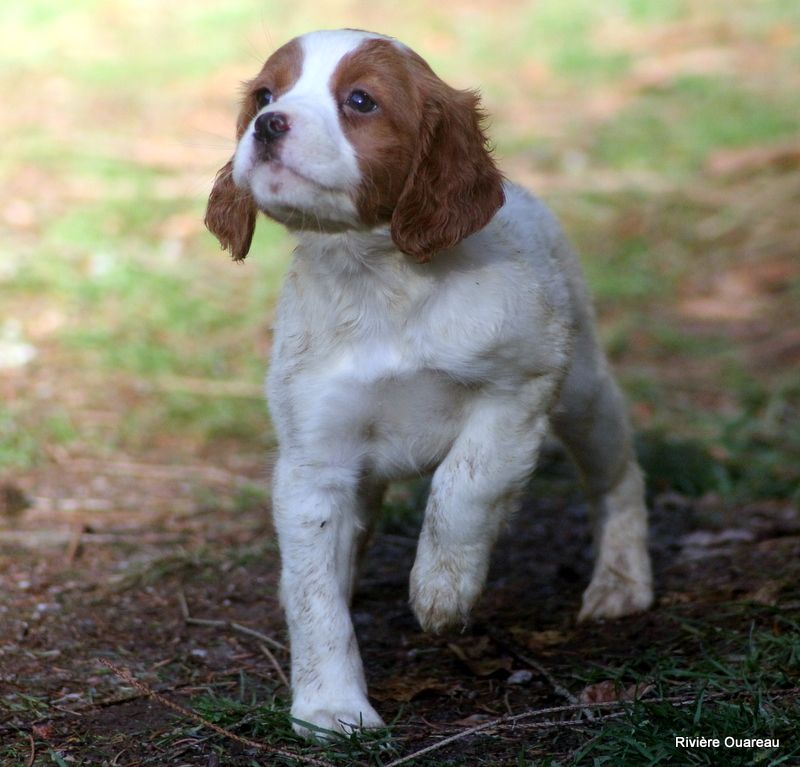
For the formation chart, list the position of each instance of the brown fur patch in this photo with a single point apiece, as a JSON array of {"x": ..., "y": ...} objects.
[
  {"x": 383, "y": 140},
  {"x": 423, "y": 153},
  {"x": 279, "y": 73}
]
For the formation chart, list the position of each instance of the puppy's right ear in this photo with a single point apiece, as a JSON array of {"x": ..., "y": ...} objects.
[{"x": 231, "y": 214}]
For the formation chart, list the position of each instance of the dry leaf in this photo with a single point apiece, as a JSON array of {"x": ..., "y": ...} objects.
[
  {"x": 473, "y": 720},
  {"x": 477, "y": 659},
  {"x": 609, "y": 691},
  {"x": 403, "y": 689},
  {"x": 606, "y": 691},
  {"x": 637, "y": 691},
  {"x": 536, "y": 640},
  {"x": 767, "y": 593},
  {"x": 43, "y": 731}
]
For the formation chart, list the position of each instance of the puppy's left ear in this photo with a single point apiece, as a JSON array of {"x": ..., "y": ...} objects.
[
  {"x": 454, "y": 188},
  {"x": 231, "y": 214}
]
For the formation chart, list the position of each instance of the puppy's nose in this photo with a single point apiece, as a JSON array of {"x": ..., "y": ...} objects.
[{"x": 270, "y": 126}]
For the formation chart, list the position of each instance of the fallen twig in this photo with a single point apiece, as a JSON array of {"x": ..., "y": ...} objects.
[
  {"x": 127, "y": 676},
  {"x": 241, "y": 629},
  {"x": 225, "y": 624},
  {"x": 183, "y": 605},
  {"x": 277, "y": 666},
  {"x": 558, "y": 688},
  {"x": 32, "y": 757},
  {"x": 550, "y": 724},
  {"x": 118, "y": 701}
]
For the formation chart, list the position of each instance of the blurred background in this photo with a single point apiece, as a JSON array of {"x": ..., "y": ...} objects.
[
  {"x": 135, "y": 442},
  {"x": 666, "y": 136}
]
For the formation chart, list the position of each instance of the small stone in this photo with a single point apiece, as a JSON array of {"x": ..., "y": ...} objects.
[{"x": 523, "y": 676}]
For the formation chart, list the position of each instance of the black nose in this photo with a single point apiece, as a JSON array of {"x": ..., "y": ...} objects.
[{"x": 270, "y": 126}]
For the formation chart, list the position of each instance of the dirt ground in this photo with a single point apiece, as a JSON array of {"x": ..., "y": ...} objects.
[{"x": 104, "y": 590}]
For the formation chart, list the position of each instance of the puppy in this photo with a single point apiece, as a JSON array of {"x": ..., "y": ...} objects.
[{"x": 433, "y": 319}]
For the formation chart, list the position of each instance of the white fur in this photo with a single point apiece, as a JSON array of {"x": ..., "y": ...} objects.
[{"x": 383, "y": 368}]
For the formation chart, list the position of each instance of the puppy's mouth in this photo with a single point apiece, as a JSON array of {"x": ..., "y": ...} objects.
[
  {"x": 282, "y": 172},
  {"x": 279, "y": 184},
  {"x": 280, "y": 167}
]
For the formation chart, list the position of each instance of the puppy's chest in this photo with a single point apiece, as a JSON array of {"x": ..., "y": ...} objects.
[
  {"x": 383, "y": 387},
  {"x": 377, "y": 386}
]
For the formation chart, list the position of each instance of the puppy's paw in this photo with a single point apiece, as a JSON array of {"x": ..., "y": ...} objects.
[
  {"x": 612, "y": 594},
  {"x": 444, "y": 589},
  {"x": 334, "y": 718}
]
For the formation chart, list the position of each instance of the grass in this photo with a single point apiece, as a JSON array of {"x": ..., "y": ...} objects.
[
  {"x": 17, "y": 447},
  {"x": 672, "y": 129},
  {"x": 106, "y": 28},
  {"x": 754, "y": 661},
  {"x": 748, "y": 453},
  {"x": 762, "y": 444},
  {"x": 269, "y": 723},
  {"x": 646, "y": 736}
]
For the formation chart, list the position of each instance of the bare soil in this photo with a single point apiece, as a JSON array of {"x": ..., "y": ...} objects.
[{"x": 116, "y": 592}]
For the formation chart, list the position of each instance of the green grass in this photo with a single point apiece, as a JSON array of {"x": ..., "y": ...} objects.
[
  {"x": 137, "y": 301},
  {"x": 682, "y": 465},
  {"x": 751, "y": 666},
  {"x": 763, "y": 443},
  {"x": 630, "y": 273},
  {"x": 729, "y": 676},
  {"x": 219, "y": 418},
  {"x": 269, "y": 723},
  {"x": 18, "y": 447},
  {"x": 16, "y": 706},
  {"x": 750, "y": 452},
  {"x": 673, "y": 129},
  {"x": 51, "y": 30},
  {"x": 646, "y": 735},
  {"x": 561, "y": 35},
  {"x": 24, "y": 432}
]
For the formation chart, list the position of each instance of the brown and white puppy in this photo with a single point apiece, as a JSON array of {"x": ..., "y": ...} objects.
[{"x": 434, "y": 319}]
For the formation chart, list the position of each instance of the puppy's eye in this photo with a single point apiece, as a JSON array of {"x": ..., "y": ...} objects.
[
  {"x": 263, "y": 97},
  {"x": 361, "y": 101}
]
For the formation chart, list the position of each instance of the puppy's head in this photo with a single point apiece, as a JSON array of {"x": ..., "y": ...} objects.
[{"x": 348, "y": 130}]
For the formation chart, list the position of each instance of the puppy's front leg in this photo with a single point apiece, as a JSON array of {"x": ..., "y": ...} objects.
[
  {"x": 316, "y": 520},
  {"x": 472, "y": 492}
]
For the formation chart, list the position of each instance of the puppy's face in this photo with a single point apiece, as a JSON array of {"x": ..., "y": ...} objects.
[
  {"x": 346, "y": 130},
  {"x": 293, "y": 156}
]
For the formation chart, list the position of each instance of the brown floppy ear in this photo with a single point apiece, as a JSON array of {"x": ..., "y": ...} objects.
[
  {"x": 453, "y": 188},
  {"x": 231, "y": 214}
]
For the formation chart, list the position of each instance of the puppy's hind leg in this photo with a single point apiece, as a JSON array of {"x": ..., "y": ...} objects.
[{"x": 590, "y": 419}]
